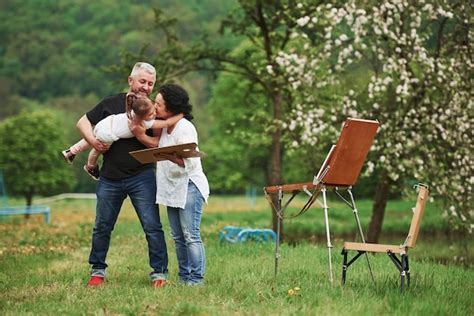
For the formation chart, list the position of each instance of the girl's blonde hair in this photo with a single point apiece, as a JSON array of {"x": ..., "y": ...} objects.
[{"x": 139, "y": 105}]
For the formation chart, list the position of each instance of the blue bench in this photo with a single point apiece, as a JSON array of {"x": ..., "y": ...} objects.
[
  {"x": 25, "y": 210},
  {"x": 241, "y": 234}
]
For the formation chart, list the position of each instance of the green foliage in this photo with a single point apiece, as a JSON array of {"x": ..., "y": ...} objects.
[
  {"x": 29, "y": 144},
  {"x": 239, "y": 137},
  {"x": 238, "y": 153}
]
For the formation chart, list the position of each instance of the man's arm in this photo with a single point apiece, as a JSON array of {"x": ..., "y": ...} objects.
[{"x": 85, "y": 128}]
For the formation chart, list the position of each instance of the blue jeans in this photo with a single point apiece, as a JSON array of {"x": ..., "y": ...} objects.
[
  {"x": 141, "y": 189},
  {"x": 185, "y": 230}
]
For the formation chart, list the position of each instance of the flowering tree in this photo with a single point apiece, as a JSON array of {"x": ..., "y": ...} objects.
[
  {"x": 420, "y": 60},
  {"x": 421, "y": 96}
]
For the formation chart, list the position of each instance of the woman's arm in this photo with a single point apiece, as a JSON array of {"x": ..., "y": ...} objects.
[
  {"x": 186, "y": 135},
  {"x": 168, "y": 122}
]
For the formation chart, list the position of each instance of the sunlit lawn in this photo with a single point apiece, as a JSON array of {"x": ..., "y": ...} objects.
[{"x": 44, "y": 268}]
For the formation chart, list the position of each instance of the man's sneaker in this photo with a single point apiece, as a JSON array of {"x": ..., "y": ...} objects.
[
  {"x": 68, "y": 156},
  {"x": 158, "y": 283},
  {"x": 93, "y": 173},
  {"x": 95, "y": 280}
]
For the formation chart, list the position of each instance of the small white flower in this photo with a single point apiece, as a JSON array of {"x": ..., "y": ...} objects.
[
  {"x": 302, "y": 21},
  {"x": 270, "y": 69}
]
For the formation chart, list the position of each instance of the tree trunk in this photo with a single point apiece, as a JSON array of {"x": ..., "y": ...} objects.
[
  {"x": 275, "y": 160},
  {"x": 29, "y": 201},
  {"x": 378, "y": 209}
]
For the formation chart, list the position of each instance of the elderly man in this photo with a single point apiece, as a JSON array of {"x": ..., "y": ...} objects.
[{"x": 122, "y": 175}]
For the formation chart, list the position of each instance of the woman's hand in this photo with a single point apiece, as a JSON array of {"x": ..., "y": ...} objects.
[{"x": 174, "y": 158}]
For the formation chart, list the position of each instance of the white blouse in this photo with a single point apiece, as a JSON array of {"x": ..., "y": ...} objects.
[{"x": 171, "y": 179}]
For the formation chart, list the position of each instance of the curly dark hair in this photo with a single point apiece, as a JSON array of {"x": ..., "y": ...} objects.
[{"x": 176, "y": 100}]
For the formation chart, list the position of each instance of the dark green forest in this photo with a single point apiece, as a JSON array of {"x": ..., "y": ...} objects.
[{"x": 61, "y": 55}]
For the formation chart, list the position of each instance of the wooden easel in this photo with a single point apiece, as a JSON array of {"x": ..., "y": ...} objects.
[{"x": 340, "y": 170}]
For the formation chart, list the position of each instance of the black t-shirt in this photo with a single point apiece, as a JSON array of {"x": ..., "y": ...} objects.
[{"x": 117, "y": 163}]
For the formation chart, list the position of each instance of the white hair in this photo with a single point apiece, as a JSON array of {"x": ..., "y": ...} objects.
[{"x": 145, "y": 66}]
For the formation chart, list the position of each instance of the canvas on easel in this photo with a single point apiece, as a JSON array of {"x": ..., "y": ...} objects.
[
  {"x": 188, "y": 150},
  {"x": 346, "y": 158}
]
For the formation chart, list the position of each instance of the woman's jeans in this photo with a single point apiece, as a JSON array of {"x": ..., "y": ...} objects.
[
  {"x": 141, "y": 189},
  {"x": 185, "y": 230}
]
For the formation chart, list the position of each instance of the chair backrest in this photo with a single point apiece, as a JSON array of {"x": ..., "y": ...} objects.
[
  {"x": 417, "y": 215},
  {"x": 346, "y": 159}
]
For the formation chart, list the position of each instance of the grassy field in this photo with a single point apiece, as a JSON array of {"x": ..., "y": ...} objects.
[{"x": 44, "y": 268}]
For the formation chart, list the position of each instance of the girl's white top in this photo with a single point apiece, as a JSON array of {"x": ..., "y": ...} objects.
[
  {"x": 114, "y": 127},
  {"x": 171, "y": 179}
]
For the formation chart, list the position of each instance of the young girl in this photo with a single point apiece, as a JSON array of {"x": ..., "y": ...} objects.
[{"x": 139, "y": 110}]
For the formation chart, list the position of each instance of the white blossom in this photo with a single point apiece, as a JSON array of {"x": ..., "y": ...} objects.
[{"x": 303, "y": 21}]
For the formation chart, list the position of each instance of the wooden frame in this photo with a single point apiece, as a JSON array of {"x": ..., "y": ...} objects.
[{"x": 392, "y": 250}]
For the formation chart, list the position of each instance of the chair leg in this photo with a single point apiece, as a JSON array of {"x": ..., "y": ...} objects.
[
  {"x": 344, "y": 266},
  {"x": 407, "y": 270},
  {"x": 402, "y": 281},
  {"x": 403, "y": 272},
  {"x": 400, "y": 264}
]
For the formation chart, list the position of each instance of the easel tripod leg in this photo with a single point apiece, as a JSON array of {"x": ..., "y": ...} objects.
[
  {"x": 328, "y": 236},
  {"x": 279, "y": 216},
  {"x": 361, "y": 233},
  {"x": 277, "y": 246}
]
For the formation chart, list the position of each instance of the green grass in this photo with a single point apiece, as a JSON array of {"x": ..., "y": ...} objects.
[{"x": 44, "y": 268}]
